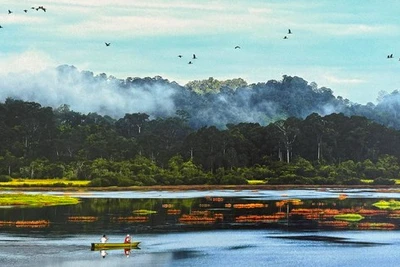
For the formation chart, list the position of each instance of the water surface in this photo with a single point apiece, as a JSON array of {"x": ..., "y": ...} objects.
[{"x": 206, "y": 228}]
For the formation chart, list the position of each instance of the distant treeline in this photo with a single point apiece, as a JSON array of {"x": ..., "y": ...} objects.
[{"x": 42, "y": 142}]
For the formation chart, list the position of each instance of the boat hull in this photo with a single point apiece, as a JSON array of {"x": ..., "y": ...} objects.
[{"x": 101, "y": 246}]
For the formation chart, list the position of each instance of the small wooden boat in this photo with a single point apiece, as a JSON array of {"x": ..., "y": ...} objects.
[{"x": 101, "y": 246}]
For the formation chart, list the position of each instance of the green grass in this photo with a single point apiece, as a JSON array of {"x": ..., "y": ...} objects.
[
  {"x": 390, "y": 205},
  {"x": 35, "y": 200},
  {"x": 256, "y": 182},
  {"x": 367, "y": 181},
  {"x": 349, "y": 217},
  {"x": 44, "y": 182},
  {"x": 144, "y": 212}
]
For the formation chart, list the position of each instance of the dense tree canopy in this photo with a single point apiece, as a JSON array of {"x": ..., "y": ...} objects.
[{"x": 41, "y": 142}]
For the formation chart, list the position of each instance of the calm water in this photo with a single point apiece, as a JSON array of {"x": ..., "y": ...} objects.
[{"x": 207, "y": 228}]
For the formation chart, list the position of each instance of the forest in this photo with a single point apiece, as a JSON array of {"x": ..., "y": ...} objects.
[{"x": 138, "y": 149}]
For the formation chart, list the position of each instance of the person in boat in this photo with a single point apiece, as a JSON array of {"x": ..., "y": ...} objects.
[
  {"x": 104, "y": 239},
  {"x": 103, "y": 253},
  {"x": 127, "y": 252},
  {"x": 127, "y": 239}
]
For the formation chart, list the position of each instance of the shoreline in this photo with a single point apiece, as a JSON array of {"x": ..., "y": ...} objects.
[{"x": 199, "y": 188}]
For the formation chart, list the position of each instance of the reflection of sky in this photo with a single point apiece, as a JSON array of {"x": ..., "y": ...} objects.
[{"x": 253, "y": 194}]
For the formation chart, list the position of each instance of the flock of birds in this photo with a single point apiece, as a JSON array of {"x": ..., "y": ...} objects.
[
  {"x": 108, "y": 43},
  {"x": 26, "y": 11},
  {"x": 391, "y": 56},
  {"x": 236, "y": 47}
]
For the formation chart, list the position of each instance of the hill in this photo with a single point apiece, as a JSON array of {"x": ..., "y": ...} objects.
[{"x": 204, "y": 102}]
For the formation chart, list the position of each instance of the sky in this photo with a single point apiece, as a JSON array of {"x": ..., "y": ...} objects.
[{"x": 341, "y": 44}]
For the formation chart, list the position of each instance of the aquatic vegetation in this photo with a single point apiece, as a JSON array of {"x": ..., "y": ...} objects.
[
  {"x": 369, "y": 212},
  {"x": 391, "y": 204},
  {"x": 260, "y": 218},
  {"x": 376, "y": 226},
  {"x": 38, "y": 200},
  {"x": 249, "y": 206},
  {"x": 144, "y": 212},
  {"x": 25, "y": 224},
  {"x": 190, "y": 219},
  {"x": 173, "y": 212},
  {"x": 335, "y": 224},
  {"x": 131, "y": 219},
  {"x": 349, "y": 217},
  {"x": 82, "y": 218}
]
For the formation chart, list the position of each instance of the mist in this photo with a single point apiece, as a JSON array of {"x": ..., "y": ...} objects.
[
  {"x": 85, "y": 92},
  {"x": 262, "y": 103}
]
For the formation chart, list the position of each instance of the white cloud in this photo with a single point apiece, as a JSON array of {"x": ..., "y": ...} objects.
[
  {"x": 30, "y": 61},
  {"x": 340, "y": 80}
]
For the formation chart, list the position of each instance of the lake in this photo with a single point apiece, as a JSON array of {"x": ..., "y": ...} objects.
[{"x": 208, "y": 228}]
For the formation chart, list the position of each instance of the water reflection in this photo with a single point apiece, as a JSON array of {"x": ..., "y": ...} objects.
[{"x": 94, "y": 215}]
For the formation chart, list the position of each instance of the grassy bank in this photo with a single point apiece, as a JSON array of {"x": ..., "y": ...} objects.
[
  {"x": 36, "y": 200},
  {"x": 43, "y": 183}
]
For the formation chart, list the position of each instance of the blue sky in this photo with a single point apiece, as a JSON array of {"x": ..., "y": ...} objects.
[{"x": 338, "y": 44}]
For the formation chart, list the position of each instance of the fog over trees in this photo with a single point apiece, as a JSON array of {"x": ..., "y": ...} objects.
[{"x": 208, "y": 102}]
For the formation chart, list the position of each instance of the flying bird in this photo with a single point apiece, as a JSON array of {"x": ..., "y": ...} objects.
[
  {"x": 41, "y": 7},
  {"x": 25, "y": 10},
  {"x": 107, "y": 44},
  {"x": 9, "y": 12},
  {"x": 180, "y": 56},
  {"x": 285, "y": 37},
  {"x": 289, "y": 31},
  {"x": 190, "y": 62},
  {"x": 237, "y": 47},
  {"x": 1, "y": 27},
  {"x": 194, "y": 56},
  {"x": 390, "y": 56}
]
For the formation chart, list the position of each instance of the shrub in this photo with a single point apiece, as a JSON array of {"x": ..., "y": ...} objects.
[
  {"x": 5, "y": 178},
  {"x": 383, "y": 181}
]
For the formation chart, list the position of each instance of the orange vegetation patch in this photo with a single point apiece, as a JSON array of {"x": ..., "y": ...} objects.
[
  {"x": 334, "y": 224},
  {"x": 376, "y": 226},
  {"x": 219, "y": 216},
  {"x": 293, "y": 202},
  {"x": 82, "y": 218},
  {"x": 32, "y": 224},
  {"x": 367, "y": 212},
  {"x": 167, "y": 206},
  {"x": 306, "y": 211},
  {"x": 260, "y": 218},
  {"x": 250, "y": 206},
  {"x": 6, "y": 223},
  {"x": 394, "y": 216},
  {"x": 200, "y": 213},
  {"x": 131, "y": 219},
  {"x": 173, "y": 212},
  {"x": 342, "y": 196},
  {"x": 193, "y": 219},
  {"x": 330, "y": 212}
]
